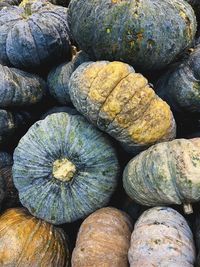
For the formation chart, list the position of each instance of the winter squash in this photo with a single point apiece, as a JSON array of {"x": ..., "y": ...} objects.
[
  {"x": 34, "y": 35},
  {"x": 19, "y": 88},
  {"x": 146, "y": 34},
  {"x": 166, "y": 173},
  {"x": 161, "y": 237},
  {"x": 59, "y": 76},
  {"x": 122, "y": 103},
  {"x": 64, "y": 168},
  {"x": 28, "y": 241},
  {"x": 7, "y": 3},
  {"x": 69, "y": 110},
  {"x": 103, "y": 239},
  {"x": 179, "y": 86}
]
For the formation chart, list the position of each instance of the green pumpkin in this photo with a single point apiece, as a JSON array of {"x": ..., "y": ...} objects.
[{"x": 64, "y": 168}]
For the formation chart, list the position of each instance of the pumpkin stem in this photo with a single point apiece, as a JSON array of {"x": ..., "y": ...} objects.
[
  {"x": 63, "y": 170},
  {"x": 188, "y": 208},
  {"x": 74, "y": 51}
]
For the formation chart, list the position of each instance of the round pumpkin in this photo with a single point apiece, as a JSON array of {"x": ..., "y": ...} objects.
[
  {"x": 161, "y": 237},
  {"x": 7, "y": 3},
  {"x": 64, "y": 168},
  {"x": 27, "y": 241},
  {"x": 69, "y": 110},
  {"x": 146, "y": 34},
  {"x": 103, "y": 239},
  {"x": 34, "y": 34},
  {"x": 122, "y": 103},
  {"x": 166, "y": 173}
]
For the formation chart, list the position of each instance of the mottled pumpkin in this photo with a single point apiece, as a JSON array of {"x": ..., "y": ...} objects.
[
  {"x": 34, "y": 34},
  {"x": 103, "y": 240},
  {"x": 146, "y": 34},
  {"x": 58, "y": 78},
  {"x": 7, "y": 3},
  {"x": 27, "y": 241},
  {"x": 161, "y": 237},
  {"x": 64, "y": 168},
  {"x": 122, "y": 103},
  {"x": 19, "y": 88},
  {"x": 166, "y": 173}
]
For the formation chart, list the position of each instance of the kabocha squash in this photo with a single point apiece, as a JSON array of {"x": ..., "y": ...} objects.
[
  {"x": 34, "y": 34},
  {"x": 27, "y": 241},
  {"x": 122, "y": 103},
  {"x": 103, "y": 240},
  {"x": 146, "y": 34},
  {"x": 161, "y": 237},
  {"x": 64, "y": 168},
  {"x": 59, "y": 76},
  {"x": 69, "y": 110},
  {"x": 179, "y": 86},
  {"x": 19, "y": 88},
  {"x": 166, "y": 173}
]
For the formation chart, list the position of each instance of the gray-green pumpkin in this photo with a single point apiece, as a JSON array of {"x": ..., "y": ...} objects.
[{"x": 7, "y": 3}]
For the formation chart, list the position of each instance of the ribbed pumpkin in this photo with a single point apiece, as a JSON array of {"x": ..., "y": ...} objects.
[
  {"x": 180, "y": 85},
  {"x": 7, "y": 3},
  {"x": 64, "y": 168},
  {"x": 27, "y": 241},
  {"x": 146, "y": 34},
  {"x": 69, "y": 110},
  {"x": 103, "y": 240},
  {"x": 122, "y": 103},
  {"x": 166, "y": 173},
  {"x": 161, "y": 237},
  {"x": 34, "y": 34}
]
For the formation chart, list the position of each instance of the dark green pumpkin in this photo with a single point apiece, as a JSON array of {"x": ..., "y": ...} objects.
[
  {"x": 64, "y": 168},
  {"x": 146, "y": 34}
]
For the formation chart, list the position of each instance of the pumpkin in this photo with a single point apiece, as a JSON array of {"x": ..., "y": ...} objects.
[
  {"x": 59, "y": 76},
  {"x": 28, "y": 241},
  {"x": 166, "y": 173},
  {"x": 196, "y": 6},
  {"x": 19, "y": 88},
  {"x": 103, "y": 239},
  {"x": 122, "y": 103},
  {"x": 7, "y": 3},
  {"x": 69, "y": 110},
  {"x": 161, "y": 237},
  {"x": 33, "y": 35},
  {"x": 145, "y": 34},
  {"x": 64, "y": 168},
  {"x": 179, "y": 86}
]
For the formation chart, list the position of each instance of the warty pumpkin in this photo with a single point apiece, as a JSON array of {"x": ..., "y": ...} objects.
[{"x": 27, "y": 241}]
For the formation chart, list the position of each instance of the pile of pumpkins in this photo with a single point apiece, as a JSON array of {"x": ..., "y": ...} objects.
[{"x": 100, "y": 133}]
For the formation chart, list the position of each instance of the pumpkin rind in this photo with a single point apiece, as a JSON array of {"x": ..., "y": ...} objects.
[
  {"x": 69, "y": 110},
  {"x": 146, "y": 34},
  {"x": 103, "y": 239},
  {"x": 28, "y": 241},
  {"x": 7, "y": 3},
  {"x": 161, "y": 237},
  {"x": 42, "y": 153}
]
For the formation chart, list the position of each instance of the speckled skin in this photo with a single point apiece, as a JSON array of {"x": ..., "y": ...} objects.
[
  {"x": 103, "y": 240},
  {"x": 19, "y": 88},
  {"x": 161, "y": 238},
  {"x": 29, "y": 242},
  {"x": 64, "y": 136},
  {"x": 122, "y": 103},
  {"x": 166, "y": 173},
  {"x": 59, "y": 76},
  {"x": 34, "y": 34},
  {"x": 180, "y": 85},
  {"x": 147, "y": 34}
]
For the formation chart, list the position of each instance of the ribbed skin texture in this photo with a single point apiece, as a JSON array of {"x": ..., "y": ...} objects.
[
  {"x": 34, "y": 34},
  {"x": 27, "y": 241},
  {"x": 166, "y": 173},
  {"x": 19, "y": 88},
  {"x": 7, "y": 3},
  {"x": 147, "y": 34},
  {"x": 70, "y": 138},
  {"x": 161, "y": 237},
  {"x": 122, "y": 103},
  {"x": 103, "y": 240},
  {"x": 180, "y": 85},
  {"x": 58, "y": 78}
]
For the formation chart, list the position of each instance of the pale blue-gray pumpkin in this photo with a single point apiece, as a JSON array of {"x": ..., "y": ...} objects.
[
  {"x": 7, "y": 3},
  {"x": 180, "y": 85},
  {"x": 64, "y": 168},
  {"x": 165, "y": 174},
  {"x": 58, "y": 78},
  {"x": 19, "y": 88},
  {"x": 146, "y": 34},
  {"x": 34, "y": 34}
]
